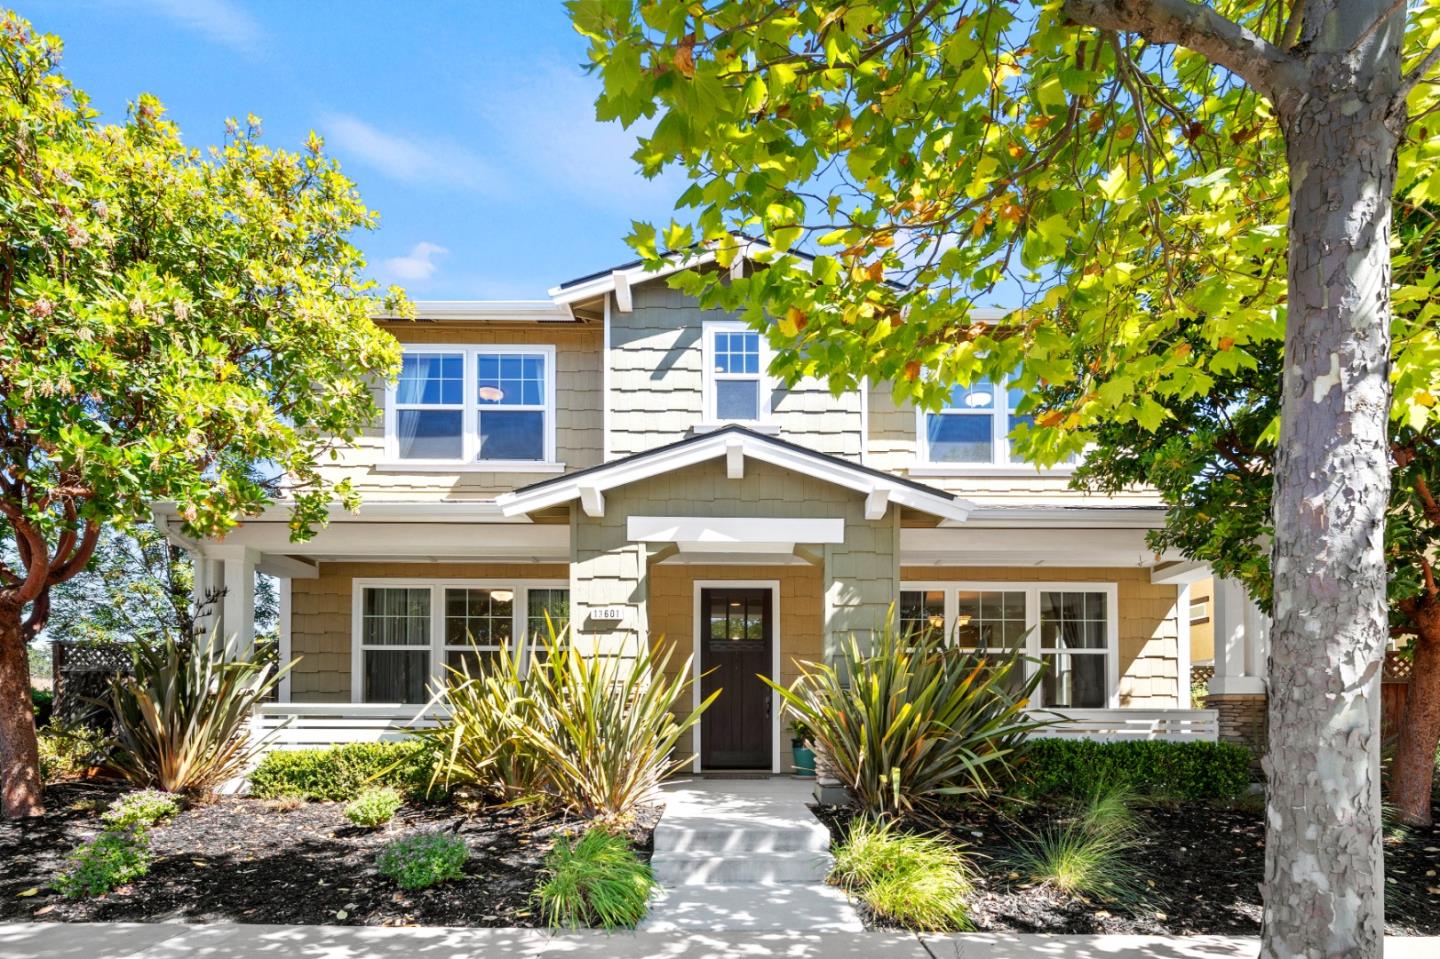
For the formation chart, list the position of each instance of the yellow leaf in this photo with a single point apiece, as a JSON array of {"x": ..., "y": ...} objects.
[
  {"x": 27, "y": 893},
  {"x": 684, "y": 58}
]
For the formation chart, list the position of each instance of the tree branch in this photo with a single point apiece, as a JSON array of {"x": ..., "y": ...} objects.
[
  {"x": 1196, "y": 27},
  {"x": 1292, "y": 26},
  {"x": 1416, "y": 75}
]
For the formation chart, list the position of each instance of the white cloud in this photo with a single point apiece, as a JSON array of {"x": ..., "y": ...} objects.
[
  {"x": 416, "y": 266},
  {"x": 407, "y": 158},
  {"x": 220, "y": 20},
  {"x": 546, "y": 121}
]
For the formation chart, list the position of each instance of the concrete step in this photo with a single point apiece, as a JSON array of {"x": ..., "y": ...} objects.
[
  {"x": 768, "y": 868},
  {"x": 713, "y": 839},
  {"x": 795, "y": 907}
]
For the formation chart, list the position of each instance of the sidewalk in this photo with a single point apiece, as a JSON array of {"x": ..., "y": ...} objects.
[{"x": 232, "y": 941}]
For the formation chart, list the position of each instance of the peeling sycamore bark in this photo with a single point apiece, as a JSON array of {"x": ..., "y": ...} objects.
[{"x": 1339, "y": 96}]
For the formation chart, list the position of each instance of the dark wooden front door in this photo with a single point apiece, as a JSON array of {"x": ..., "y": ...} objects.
[{"x": 735, "y": 638}]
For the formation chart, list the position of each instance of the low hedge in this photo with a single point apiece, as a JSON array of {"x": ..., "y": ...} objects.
[
  {"x": 340, "y": 773},
  {"x": 1073, "y": 768}
]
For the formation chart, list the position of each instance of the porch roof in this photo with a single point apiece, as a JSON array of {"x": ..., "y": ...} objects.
[{"x": 735, "y": 443}]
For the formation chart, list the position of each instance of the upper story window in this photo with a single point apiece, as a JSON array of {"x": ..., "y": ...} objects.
[
  {"x": 492, "y": 405},
  {"x": 735, "y": 361},
  {"x": 973, "y": 428}
]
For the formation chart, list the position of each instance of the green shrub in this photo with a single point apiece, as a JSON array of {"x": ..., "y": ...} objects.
[
  {"x": 139, "y": 809},
  {"x": 340, "y": 773},
  {"x": 598, "y": 881},
  {"x": 915, "y": 723},
  {"x": 594, "y": 734},
  {"x": 916, "y": 881},
  {"x": 424, "y": 859},
  {"x": 181, "y": 719},
  {"x": 374, "y": 806},
  {"x": 43, "y": 702},
  {"x": 1074, "y": 768},
  {"x": 67, "y": 751},
  {"x": 111, "y": 859}
]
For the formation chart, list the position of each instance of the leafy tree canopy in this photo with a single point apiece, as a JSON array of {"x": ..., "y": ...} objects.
[{"x": 1128, "y": 199}]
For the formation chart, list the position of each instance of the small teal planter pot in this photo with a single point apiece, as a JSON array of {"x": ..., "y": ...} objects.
[{"x": 803, "y": 759}]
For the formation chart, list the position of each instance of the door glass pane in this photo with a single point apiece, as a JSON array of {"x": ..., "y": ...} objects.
[
  {"x": 428, "y": 434},
  {"x": 737, "y": 622},
  {"x": 959, "y": 438},
  {"x": 737, "y": 399},
  {"x": 396, "y": 676},
  {"x": 512, "y": 435}
]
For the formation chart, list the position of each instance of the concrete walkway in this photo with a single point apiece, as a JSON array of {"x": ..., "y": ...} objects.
[
  {"x": 744, "y": 855},
  {"x": 228, "y": 941}
]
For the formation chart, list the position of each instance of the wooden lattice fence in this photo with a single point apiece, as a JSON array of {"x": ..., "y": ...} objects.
[{"x": 82, "y": 672}]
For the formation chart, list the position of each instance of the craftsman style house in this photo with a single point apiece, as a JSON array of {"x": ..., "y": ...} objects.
[{"x": 617, "y": 457}]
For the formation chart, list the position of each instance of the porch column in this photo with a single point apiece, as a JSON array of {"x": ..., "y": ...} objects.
[
  {"x": 204, "y": 593},
  {"x": 1237, "y": 690},
  {"x": 237, "y": 605}
]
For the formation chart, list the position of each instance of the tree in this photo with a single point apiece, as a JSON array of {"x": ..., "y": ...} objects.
[
  {"x": 1125, "y": 165},
  {"x": 138, "y": 588},
  {"x": 1212, "y": 462},
  {"x": 171, "y": 323}
]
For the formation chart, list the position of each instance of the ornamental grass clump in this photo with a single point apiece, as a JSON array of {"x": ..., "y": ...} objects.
[
  {"x": 598, "y": 881},
  {"x": 181, "y": 719},
  {"x": 423, "y": 860},
  {"x": 916, "y": 723},
  {"x": 918, "y": 882},
  {"x": 592, "y": 733},
  {"x": 374, "y": 807},
  {"x": 110, "y": 860},
  {"x": 140, "y": 809},
  {"x": 1090, "y": 853}
]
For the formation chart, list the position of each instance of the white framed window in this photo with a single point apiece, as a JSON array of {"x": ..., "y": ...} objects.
[
  {"x": 490, "y": 406},
  {"x": 407, "y": 631},
  {"x": 1073, "y": 628},
  {"x": 1200, "y": 611},
  {"x": 735, "y": 361},
  {"x": 972, "y": 430}
]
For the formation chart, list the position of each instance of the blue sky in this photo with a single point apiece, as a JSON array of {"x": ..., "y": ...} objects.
[{"x": 468, "y": 124}]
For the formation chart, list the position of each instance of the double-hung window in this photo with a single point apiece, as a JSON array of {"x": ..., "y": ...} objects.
[
  {"x": 735, "y": 359},
  {"x": 1070, "y": 628},
  {"x": 491, "y": 405},
  {"x": 410, "y": 633},
  {"x": 972, "y": 429}
]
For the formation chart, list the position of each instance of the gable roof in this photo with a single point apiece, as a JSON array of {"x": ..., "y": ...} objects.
[{"x": 735, "y": 444}]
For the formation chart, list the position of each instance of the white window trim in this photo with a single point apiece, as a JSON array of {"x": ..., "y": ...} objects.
[
  {"x": 708, "y": 329},
  {"x": 1000, "y": 463},
  {"x": 470, "y": 416},
  {"x": 1032, "y": 592},
  {"x": 437, "y": 646}
]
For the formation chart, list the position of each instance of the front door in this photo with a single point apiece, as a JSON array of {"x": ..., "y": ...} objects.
[{"x": 735, "y": 638}]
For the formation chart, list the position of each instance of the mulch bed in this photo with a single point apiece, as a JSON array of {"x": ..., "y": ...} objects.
[
  {"x": 1202, "y": 863},
  {"x": 246, "y": 860}
]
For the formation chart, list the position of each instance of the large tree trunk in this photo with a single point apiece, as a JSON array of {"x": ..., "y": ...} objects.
[
  {"x": 1324, "y": 883},
  {"x": 1412, "y": 778},
  {"x": 20, "y": 787}
]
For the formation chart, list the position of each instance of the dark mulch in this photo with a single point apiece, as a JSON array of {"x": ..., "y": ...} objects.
[
  {"x": 1202, "y": 863},
  {"x": 246, "y": 860}
]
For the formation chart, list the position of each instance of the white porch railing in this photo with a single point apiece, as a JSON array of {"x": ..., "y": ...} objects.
[
  {"x": 311, "y": 725},
  {"x": 1113, "y": 725}
]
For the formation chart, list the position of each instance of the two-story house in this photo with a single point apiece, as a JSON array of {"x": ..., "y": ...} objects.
[{"x": 618, "y": 458}]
